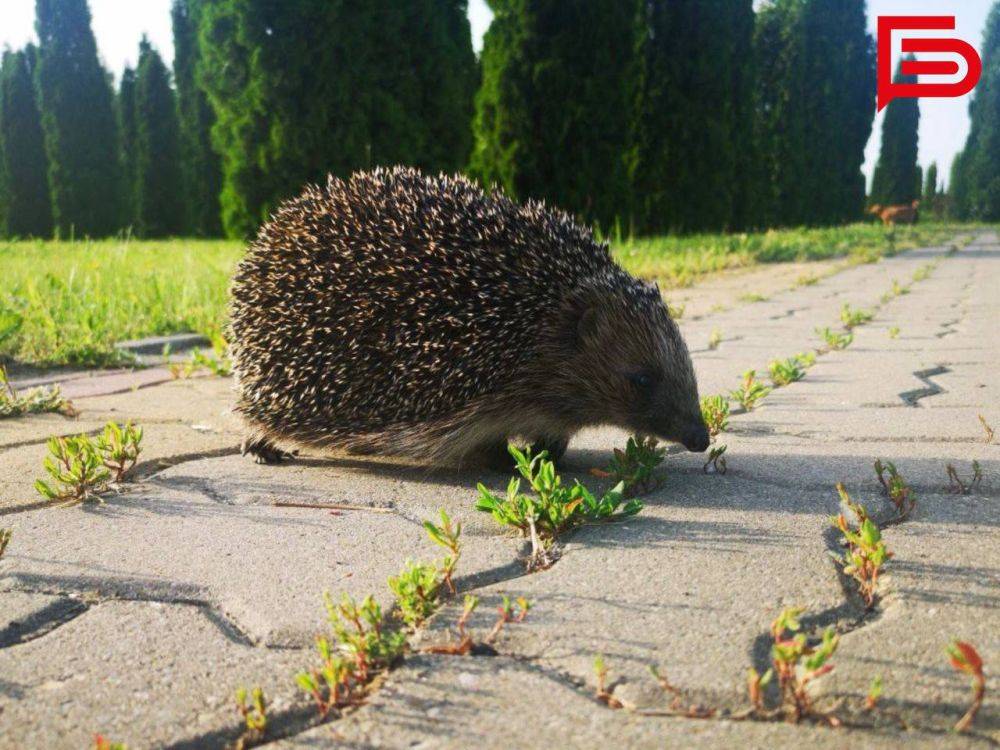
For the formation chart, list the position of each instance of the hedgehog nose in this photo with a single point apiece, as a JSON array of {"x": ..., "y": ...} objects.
[{"x": 695, "y": 438}]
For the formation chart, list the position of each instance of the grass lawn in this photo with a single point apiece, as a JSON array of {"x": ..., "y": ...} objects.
[{"x": 67, "y": 303}]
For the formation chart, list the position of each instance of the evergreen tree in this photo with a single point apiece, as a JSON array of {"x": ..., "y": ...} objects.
[
  {"x": 958, "y": 189},
  {"x": 895, "y": 180},
  {"x": 976, "y": 178},
  {"x": 815, "y": 103},
  {"x": 689, "y": 157},
  {"x": 553, "y": 110},
  {"x": 201, "y": 169},
  {"x": 931, "y": 184},
  {"x": 377, "y": 83},
  {"x": 158, "y": 194},
  {"x": 25, "y": 209},
  {"x": 125, "y": 104},
  {"x": 81, "y": 138}
]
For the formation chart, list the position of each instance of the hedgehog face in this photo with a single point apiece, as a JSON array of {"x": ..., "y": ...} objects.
[{"x": 635, "y": 370}]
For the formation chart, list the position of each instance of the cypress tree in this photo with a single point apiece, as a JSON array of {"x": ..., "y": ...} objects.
[
  {"x": 25, "y": 209},
  {"x": 385, "y": 83},
  {"x": 689, "y": 154},
  {"x": 78, "y": 119},
  {"x": 958, "y": 189},
  {"x": 895, "y": 180},
  {"x": 931, "y": 184},
  {"x": 552, "y": 114},
  {"x": 201, "y": 170},
  {"x": 158, "y": 199},
  {"x": 976, "y": 178},
  {"x": 127, "y": 136}
]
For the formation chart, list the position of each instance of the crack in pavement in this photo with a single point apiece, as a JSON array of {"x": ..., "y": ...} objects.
[
  {"x": 912, "y": 398},
  {"x": 42, "y": 621}
]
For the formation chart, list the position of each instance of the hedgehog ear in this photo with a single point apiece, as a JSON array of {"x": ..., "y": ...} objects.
[{"x": 585, "y": 324}]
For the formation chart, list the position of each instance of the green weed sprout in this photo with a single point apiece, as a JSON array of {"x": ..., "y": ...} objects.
[
  {"x": 634, "y": 466},
  {"x": 958, "y": 486},
  {"x": 507, "y": 613},
  {"x": 875, "y": 691},
  {"x": 554, "y": 509},
  {"x": 796, "y": 664},
  {"x": 899, "y": 492},
  {"x": 120, "y": 447},
  {"x": 986, "y": 428},
  {"x": 964, "y": 658},
  {"x": 254, "y": 715},
  {"x": 835, "y": 341},
  {"x": 785, "y": 371},
  {"x": 851, "y": 318},
  {"x": 464, "y": 644},
  {"x": 753, "y": 297},
  {"x": 76, "y": 469},
  {"x": 219, "y": 365},
  {"x": 601, "y": 678},
  {"x": 361, "y": 647},
  {"x": 866, "y": 550},
  {"x": 446, "y": 535},
  {"x": 101, "y": 743},
  {"x": 924, "y": 271},
  {"x": 894, "y": 332},
  {"x": 715, "y": 413},
  {"x": 675, "y": 311},
  {"x": 756, "y": 683},
  {"x": 5, "y": 535},
  {"x": 416, "y": 588},
  {"x": 35, "y": 401},
  {"x": 750, "y": 391},
  {"x": 716, "y": 463},
  {"x": 714, "y": 339}
]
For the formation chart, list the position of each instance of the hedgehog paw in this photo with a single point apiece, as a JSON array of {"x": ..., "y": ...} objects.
[
  {"x": 556, "y": 448},
  {"x": 265, "y": 452}
]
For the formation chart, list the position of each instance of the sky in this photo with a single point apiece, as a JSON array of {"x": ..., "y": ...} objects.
[{"x": 119, "y": 24}]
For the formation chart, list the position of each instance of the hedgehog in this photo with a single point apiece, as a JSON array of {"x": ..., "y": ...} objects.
[{"x": 395, "y": 313}]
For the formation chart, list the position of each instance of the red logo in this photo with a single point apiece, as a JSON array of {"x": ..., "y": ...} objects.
[{"x": 887, "y": 90}]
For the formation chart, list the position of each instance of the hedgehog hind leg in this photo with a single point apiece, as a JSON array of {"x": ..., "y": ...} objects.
[
  {"x": 497, "y": 455},
  {"x": 264, "y": 451}
]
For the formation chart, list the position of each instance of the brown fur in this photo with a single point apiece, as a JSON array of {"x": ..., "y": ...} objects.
[{"x": 901, "y": 214}]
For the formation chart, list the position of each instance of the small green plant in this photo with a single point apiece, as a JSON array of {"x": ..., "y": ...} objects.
[
  {"x": 958, "y": 486},
  {"x": 35, "y": 401},
  {"x": 866, "y": 551},
  {"x": 101, "y": 743},
  {"x": 119, "y": 447},
  {"x": 751, "y": 391},
  {"x": 986, "y": 428},
  {"x": 851, "y": 318},
  {"x": 898, "y": 289},
  {"x": 874, "y": 694},
  {"x": 217, "y": 364},
  {"x": 634, "y": 466},
  {"x": 446, "y": 535},
  {"x": 416, "y": 589},
  {"x": 464, "y": 644},
  {"x": 601, "y": 691},
  {"x": 678, "y": 704},
  {"x": 554, "y": 509},
  {"x": 716, "y": 463},
  {"x": 964, "y": 658},
  {"x": 753, "y": 297},
  {"x": 75, "y": 467},
  {"x": 899, "y": 492},
  {"x": 833, "y": 340},
  {"x": 797, "y": 664},
  {"x": 675, "y": 311},
  {"x": 5, "y": 535},
  {"x": 786, "y": 371},
  {"x": 756, "y": 683},
  {"x": 361, "y": 647},
  {"x": 506, "y": 614},
  {"x": 715, "y": 413},
  {"x": 807, "y": 280},
  {"x": 254, "y": 715},
  {"x": 924, "y": 271},
  {"x": 714, "y": 339},
  {"x": 894, "y": 332}
]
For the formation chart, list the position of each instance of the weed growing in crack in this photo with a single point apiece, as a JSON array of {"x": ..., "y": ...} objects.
[
  {"x": 866, "y": 550},
  {"x": 80, "y": 468},
  {"x": 675, "y": 311},
  {"x": 601, "y": 678},
  {"x": 899, "y": 492},
  {"x": 986, "y": 428},
  {"x": 554, "y": 509},
  {"x": 417, "y": 589},
  {"x": 219, "y": 365},
  {"x": 714, "y": 339},
  {"x": 756, "y": 683},
  {"x": 894, "y": 332},
  {"x": 851, "y": 317},
  {"x": 753, "y": 297},
  {"x": 715, "y": 413},
  {"x": 807, "y": 280},
  {"x": 834, "y": 341},
  {"x": 5, "y": 535},
  {"x": 716, "y": 463},
  {"x": 101, "y": 743},
  {"x": 678, "y": 704},
  {"x": 786, "y": 371},
  {"x": 361, "y": 647},
  {"x": 634, "y": 466},
  {"x": 750, "y": 391},
  {"x": 506, "y": 614},
  {"x": 898, "y": 290},
  {"x": 796, "y": 664},
  {"x": 464, "y": 645},
  {"x": 964, "y": 658},
  {"x": 874, "y": 694},
  {"x": 35, "y": 401},
  {"x": 924, "y": 271},
  {"x": 957, "y": 486},
  {"x": 254, "y": 715},
  {"x": 446, "y": 535}
]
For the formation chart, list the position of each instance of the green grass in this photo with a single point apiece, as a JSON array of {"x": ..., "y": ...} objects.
[{"x": 67, "y": 303}]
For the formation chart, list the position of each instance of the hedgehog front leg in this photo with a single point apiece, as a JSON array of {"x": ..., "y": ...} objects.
[
  {"x": 264, "y": 451},
  {"x": 555, "y": 447}
]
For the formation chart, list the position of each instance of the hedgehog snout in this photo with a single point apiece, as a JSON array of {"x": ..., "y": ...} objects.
[{"x": 695, "y": 437}]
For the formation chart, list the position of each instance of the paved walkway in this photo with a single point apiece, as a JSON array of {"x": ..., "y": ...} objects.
[{"x": 139, "y": 618}]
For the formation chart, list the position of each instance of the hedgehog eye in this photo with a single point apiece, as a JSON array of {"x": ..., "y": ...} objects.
[{"x": 642, "y": 379}]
